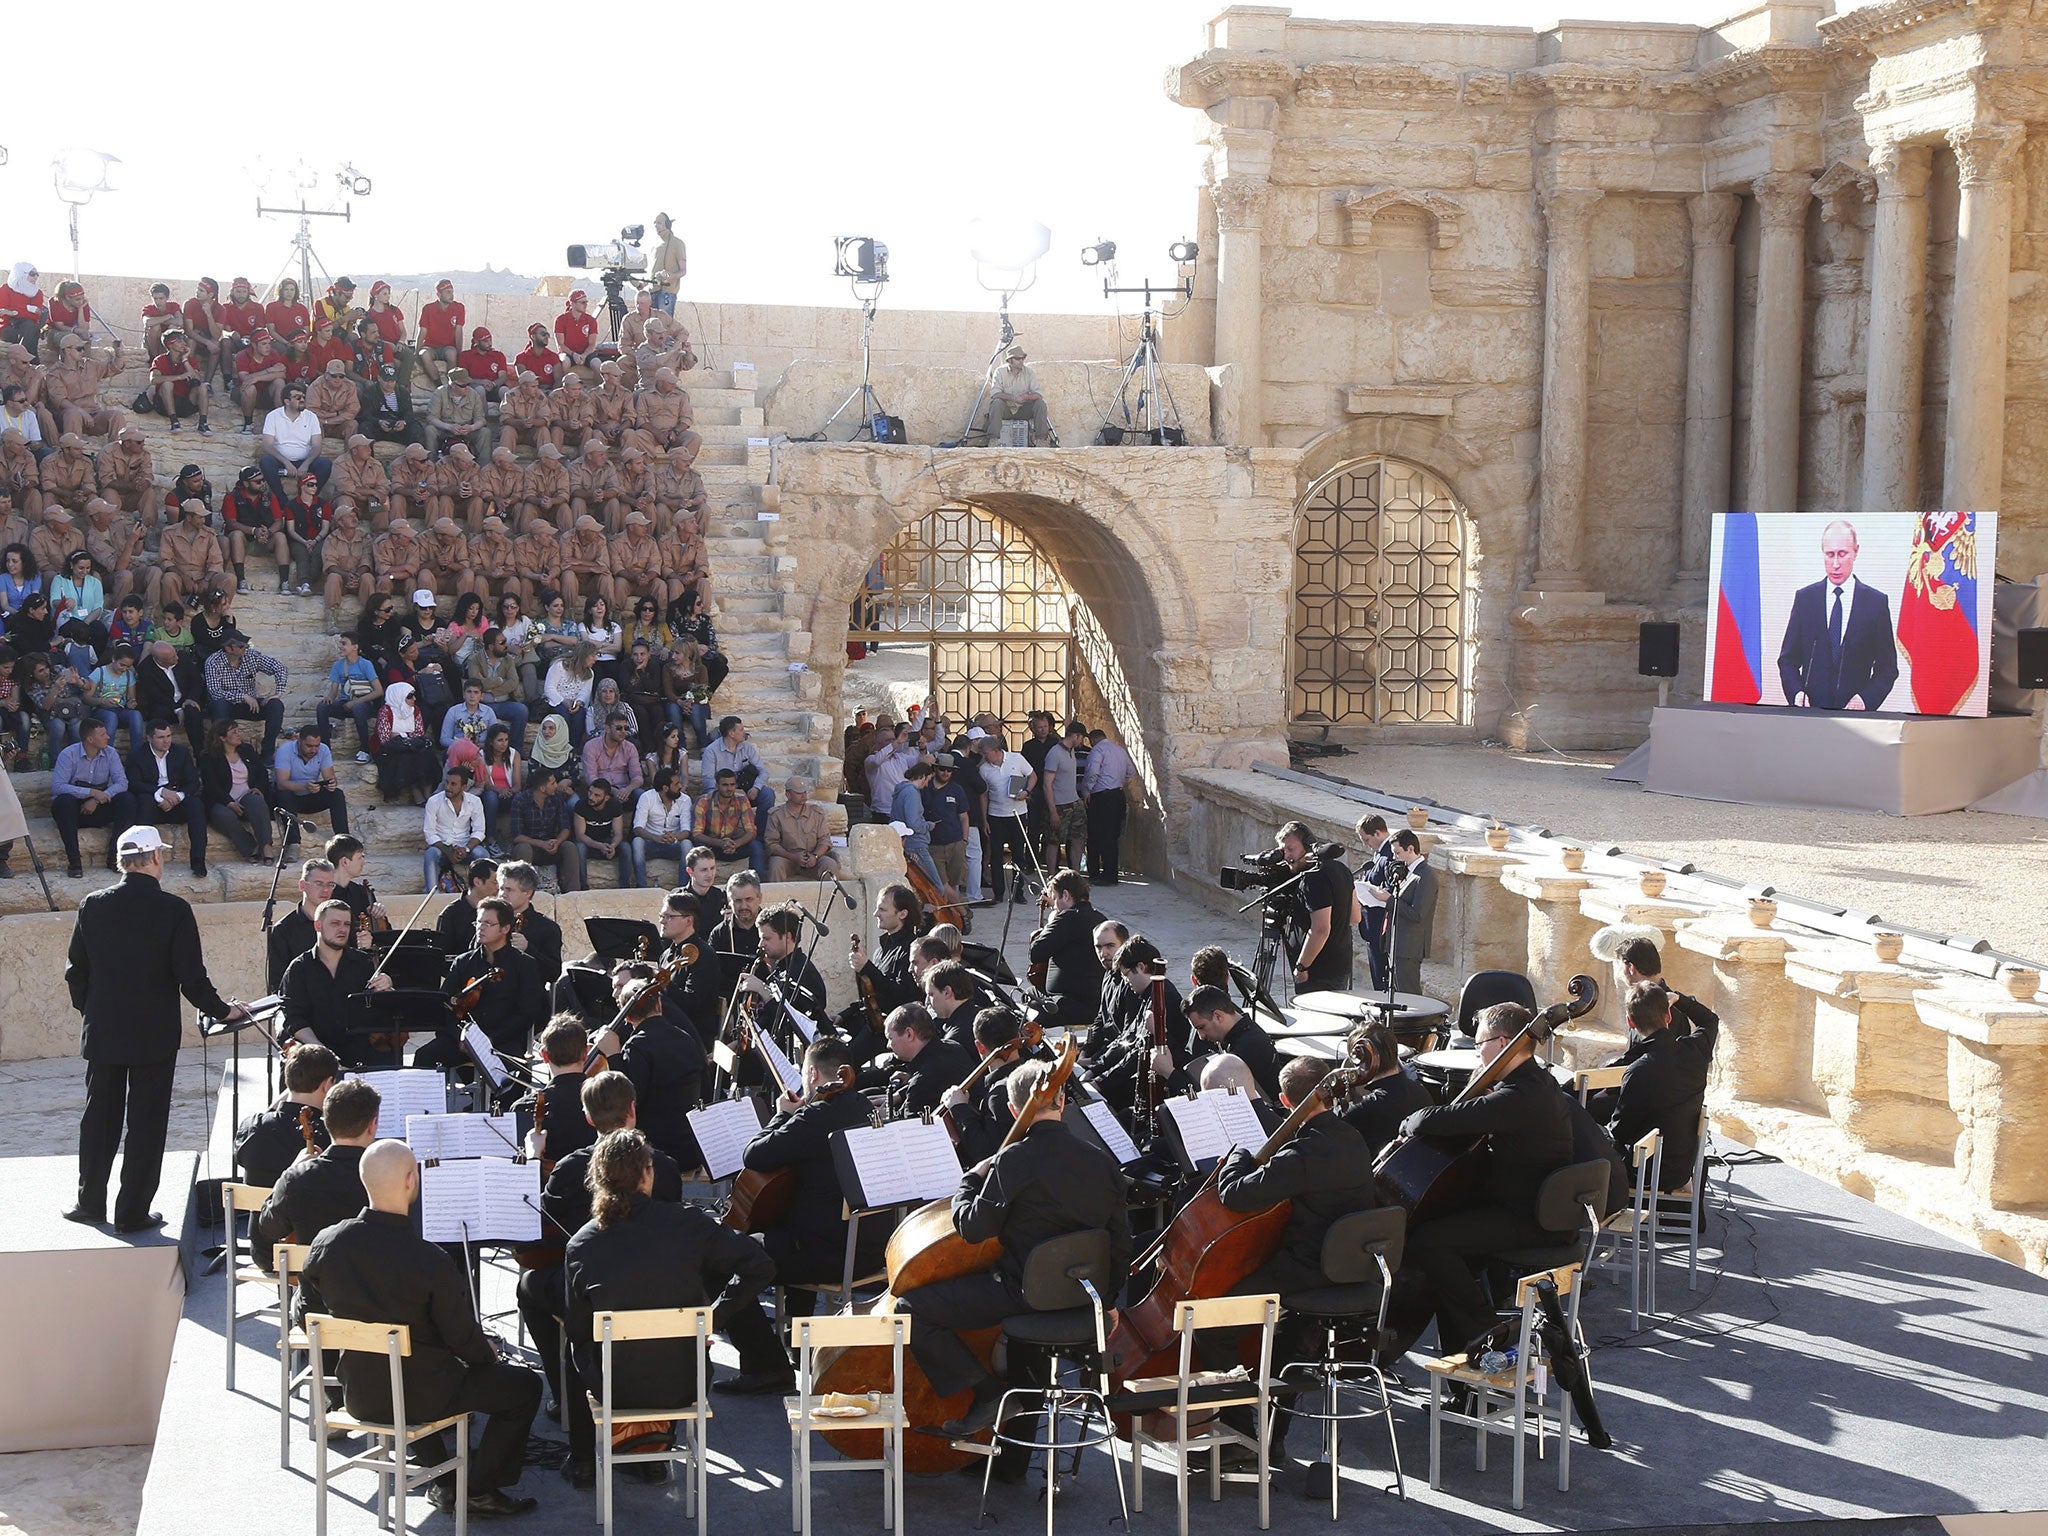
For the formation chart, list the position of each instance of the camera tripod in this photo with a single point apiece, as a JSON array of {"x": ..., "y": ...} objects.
[
  {"x": 1272, "y": 939},
  {"x": 864, "y": 392},
  {"x": 614, "y": 280}
]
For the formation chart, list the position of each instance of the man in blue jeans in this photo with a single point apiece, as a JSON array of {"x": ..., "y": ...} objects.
[
  {"x": 352, "y": 667},
  {"x": 89, "y": 788},
  {"x": 231, "y": 687},
  {"x": 304, "y": 778}
]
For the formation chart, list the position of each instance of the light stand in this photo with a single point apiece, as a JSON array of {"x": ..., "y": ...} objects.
[
  {"x": 864, "y": 392},
  {"x": 352, "y": 183},
  {"x": 1008, "y": 252},
  {"x": 1005, "y": 339},
  {"x": 77, "y": 174},
  {"x": 1149, "y": 424}
]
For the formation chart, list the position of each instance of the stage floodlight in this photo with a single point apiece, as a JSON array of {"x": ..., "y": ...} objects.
[
  {"x": 357, "y": 183},
  {"x": 1098, "y": 253},
  {"x": 1008, "y": 244},
  {"x": 860, "y": 257},
  {"x": 79, "y": 173},
  {"x": 1183, "y": 252}
]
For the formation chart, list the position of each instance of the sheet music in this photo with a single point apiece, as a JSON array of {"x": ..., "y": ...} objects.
[
  {"x": 785, "y": 1071},
  {"x": 403, "y": 1092},
  {"x": 723, "y": 1131},
  {"x": 485, "y": 1053},
  {"x": 1240, "y": 1121},
  {"x": 484, "y": 1199},
  {"x": 1201, "y": 1129},
  {"x": 804, "y": 1025},
  {"x": 903, "y": 1161},
  {"x": 462, "y": 1136},
  {"x": 1112, "y": 1131}
]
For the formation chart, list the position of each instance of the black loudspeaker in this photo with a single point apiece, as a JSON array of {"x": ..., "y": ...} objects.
[
  {"x": 1657, "y": 650},
  {"x": 2033, "y": 658}
]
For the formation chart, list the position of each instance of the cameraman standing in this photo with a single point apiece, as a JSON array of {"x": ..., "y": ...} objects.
[{"x": 1324, "y": 962}]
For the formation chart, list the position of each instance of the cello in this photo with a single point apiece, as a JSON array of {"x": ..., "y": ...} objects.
[
  {"x": 758, "y": 1201},
  {"x": 1429, "y": 1177},
  {"x": 1206, "y": 1249},
  {"x": 925, "y": 1248},
  {"x": 937, "y": 908}
]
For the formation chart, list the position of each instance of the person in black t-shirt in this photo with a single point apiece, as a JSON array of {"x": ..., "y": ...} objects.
[
  {"x": 457, "y": 923},
  {"x": 270, "y": 1141},
  {"x": 319, "y": 989},
  {"x": 293, "y": 934},
  {"x": 1323, "y": 963}
]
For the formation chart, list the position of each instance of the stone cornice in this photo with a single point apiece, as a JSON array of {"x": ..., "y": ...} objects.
[
  {"x": 1356, "y": 83},
  {"x": 1861, "y": 30},
  {"x": 1846, "y": 179},
  {"x": 1361, "y": 208},
  {"x": 1219, "y": 76},
  {"x": 1773, "y": 67}
]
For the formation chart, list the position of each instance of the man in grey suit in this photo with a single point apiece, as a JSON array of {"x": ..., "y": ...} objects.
[{"x": 1412, "y": 911}]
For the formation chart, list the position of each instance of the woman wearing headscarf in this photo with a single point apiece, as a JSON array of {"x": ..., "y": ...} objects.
[
  {"x": 407, "y": 762},
  {"x": 23, "y": 308},
  {"x": 553, "y": 748}
]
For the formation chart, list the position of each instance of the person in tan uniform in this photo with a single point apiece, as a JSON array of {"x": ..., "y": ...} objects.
[
  {"x": 679, "y": 493},
  {"x": 525, "y": 415},
  {"x": 548, "y": 489},
  {"x": 333, "y": 398},
  {"x": 55, "y": 536},
  {"x": 17, "y": 367},
  {"x": 586, "y": 562},
  {"x": 68, "y": 476},
  {"x": 537, "y": 560},
  {"x": 502, "y": 484},
  {"x": 74, "y": 389},
  {"x": 637, "y": 562},
  {"x": 664, "y": 413},
  {"x": 399, "y": 559},
  {"x": 575, "y": 411},
  {"x": 412, "y": 483},
  {"x": 128, "y": 475},
  {"x": 14, "y": 523},
  {"x": 667, "y": 346},
  {"x": 192, "y": 558},
  {"x": 115, "y": 541},
  {"x": 20, "y": 475},
  {"x": 611, "y": 405},
  {"x": 492, "y": 568},
  {"x": 798, "y": 838},
  {"x": 594, "y": 484},
  {"x": 448, "y": 555},
  {"x": 358, "y": 476},
  {"x": 458, "y": 488},
  {"x": 345, "y": 558},
  {"x": 636, "y": 484}
]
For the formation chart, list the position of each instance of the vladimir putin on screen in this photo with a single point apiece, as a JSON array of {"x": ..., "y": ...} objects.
[{"x": 1838, "y": 652}]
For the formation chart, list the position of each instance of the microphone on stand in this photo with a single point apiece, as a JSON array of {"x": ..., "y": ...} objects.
[{"x": 845, "y": 895}]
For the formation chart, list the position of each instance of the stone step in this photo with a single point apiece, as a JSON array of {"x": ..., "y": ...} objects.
[
  {"x": 714, "y": 429},
  {"x": 233, "y": 881}
]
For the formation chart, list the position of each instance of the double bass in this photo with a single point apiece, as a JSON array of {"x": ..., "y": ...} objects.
[
  {"x": 1206, "y": 1249},
  {"x": 1430, "y": 1177},
  {"x": 936, "y": 907},
  {"x": 924, "y": 1249}
]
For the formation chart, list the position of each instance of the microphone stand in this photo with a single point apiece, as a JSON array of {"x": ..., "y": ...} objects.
[{"x": 284, "y": 844}]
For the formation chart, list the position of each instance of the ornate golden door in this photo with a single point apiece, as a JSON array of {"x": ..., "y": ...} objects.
[{"x": 1379, "y": 598}]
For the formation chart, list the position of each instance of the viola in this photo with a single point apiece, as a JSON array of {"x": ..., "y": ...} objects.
[
  {"x": 1028, "y": 1039},
  {"x": 926, "y": 1247}
]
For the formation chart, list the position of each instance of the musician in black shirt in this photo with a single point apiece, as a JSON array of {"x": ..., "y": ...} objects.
[
  {"x": 791, "y": 982},
  {"x": 1216, "y": 1027},
  {"x": 319, "y": 989},
  {"x": 664, "y": 1061},
  {"x": 534, "y": 933},
  {"x": 558, "y": 1115},
  {"x": 694, "y": 1000},
  {"x": 1664, "y": 1076},
  {"x": 920, "y": 1066},
  {"x": 457, "y": 923},
  {"x": 1524, "y": 1120},
  {"x": 1066, "y": 947},
  {"x": 512, "y": 1002},
  {"x": 269, "y": 1141},
  {"x": 700, "y": 876},
  {"x": 292, "y": 935},
  {"x": 1045, "y": 1184},
  {"x": 890, "y": 971},
  {"x": 1114, "y": 1007},
  {"x": 375, "y": 1268},
  {"x": 809, "y": 1244},
  {"x": 316, "y": 1192},
  {"x": 982, "y": 1119},
  {"x": 1134, "y": 1055},
  {"x": 346, "y": 853},
  {"x": 949, "y": 997},
  {"x": 608, "y": 1105},
  {"x": 1391, "y": 1094},
  {"x": 638, "y": 1253}
]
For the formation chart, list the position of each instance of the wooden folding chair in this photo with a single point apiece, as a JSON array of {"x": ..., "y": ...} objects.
[
  {"x": 692, "y": 1420},
  {"x": 396, "y": 1476},
  {"x": 880, "y": 1412},
  {"x": 239, "y": 1262},
  {"x": 1203, "y": 1392}
]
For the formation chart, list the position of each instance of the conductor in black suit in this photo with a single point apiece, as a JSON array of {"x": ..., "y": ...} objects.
[
  {"x": 1839, "y": 651},
  {"x": 134, "y": 949}
]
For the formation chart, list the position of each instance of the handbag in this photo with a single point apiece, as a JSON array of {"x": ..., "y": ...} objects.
[{"x": 360, "y": 688}]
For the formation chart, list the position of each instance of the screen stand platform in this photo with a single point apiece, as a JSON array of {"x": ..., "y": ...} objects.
[{"x": 1837, "y": 760}]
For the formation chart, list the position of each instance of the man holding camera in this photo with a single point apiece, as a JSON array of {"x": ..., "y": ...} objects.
[{"x": 1324, "y": 961}]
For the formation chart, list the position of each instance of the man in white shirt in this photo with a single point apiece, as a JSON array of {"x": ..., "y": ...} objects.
[
  {"x": 1014, "y": 396},
  {"x": 454, "y": 831},
  {"x": 1010, "y": 784},
  {"x": 662, "y": 821},
  {"x": 291, "y": 443}
]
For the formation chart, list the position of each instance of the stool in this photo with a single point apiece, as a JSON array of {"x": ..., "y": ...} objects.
[
  {"x": 1061, "y": 1277},
  {"x": 1361, "y": 1251}
]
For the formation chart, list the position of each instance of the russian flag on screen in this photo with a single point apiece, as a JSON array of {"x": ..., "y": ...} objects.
[{"x": 1739, "y": 616}]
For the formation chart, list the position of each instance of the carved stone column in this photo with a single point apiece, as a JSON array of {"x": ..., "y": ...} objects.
[
  {"x": 1766, "y": 1051},
  {"x": 1882, "y": 1073},
  {"x": 1561, "y": 535},
  {"x": 1898, "y": 329},
  {"x": 1998, "y": 1088},
  {"x": 1709, "y": 379},
  {"x": 1488, "y": 925},
  {"x": 1973, "y": 475},
  {"x": 1558, "y": 937},
  {"x": 1782, "y": 200},
  {"x": 1240, "y": 204}
]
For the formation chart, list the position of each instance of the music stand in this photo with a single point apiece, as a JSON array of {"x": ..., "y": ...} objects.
[
  {"x": 988, "y": 960},
  {"x": 593, "y": 992},
  {"x": 619, "y": 938},
  {"x": 401, "y": 1012},
  {"x": 416, "y": 962}
]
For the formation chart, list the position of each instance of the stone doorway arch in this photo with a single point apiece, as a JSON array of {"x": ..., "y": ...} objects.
[{"x": 1381, "y": 619}]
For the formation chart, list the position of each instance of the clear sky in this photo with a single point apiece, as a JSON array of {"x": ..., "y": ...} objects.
[{"x": 498, "y": 135}]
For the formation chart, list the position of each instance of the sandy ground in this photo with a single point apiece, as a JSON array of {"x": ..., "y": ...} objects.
[{"x": 1959, "y": 873}]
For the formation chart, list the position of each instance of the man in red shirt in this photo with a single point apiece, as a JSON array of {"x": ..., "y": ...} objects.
[
  {"x": 329, "y": 348},
  {"x": 576, "y": 329},
  {"x": 244, "y": 316},
  {"x": 177, "y": 382},
  {"x": 207, "y": 330},
  {"x": 441, "y": 325},
  {"x": 486, "y": 365},
  {"x": 540, "y": 359},
  {"x": 160, "y": 314},
  {"x": 259, "y": 373}
]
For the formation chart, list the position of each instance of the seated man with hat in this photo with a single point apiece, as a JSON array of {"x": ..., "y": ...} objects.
[
  {"x": 1013, "y": 396},
  {"x": 457, "y": 415}
]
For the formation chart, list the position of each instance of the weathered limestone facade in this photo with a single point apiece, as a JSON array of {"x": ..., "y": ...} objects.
[{"x": 1612, "y": 278}]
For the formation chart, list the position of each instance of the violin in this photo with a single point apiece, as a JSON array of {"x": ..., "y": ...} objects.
[
  {"x": 463, "y": 1003},
  {"x": 306, "y": 1132},
  {"x": 866, "y": 984},
  {"x": 1028, "y": 1039},
  {"x": 630, "y": 1012},
  {"x": 1150, "y": 1099}
]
